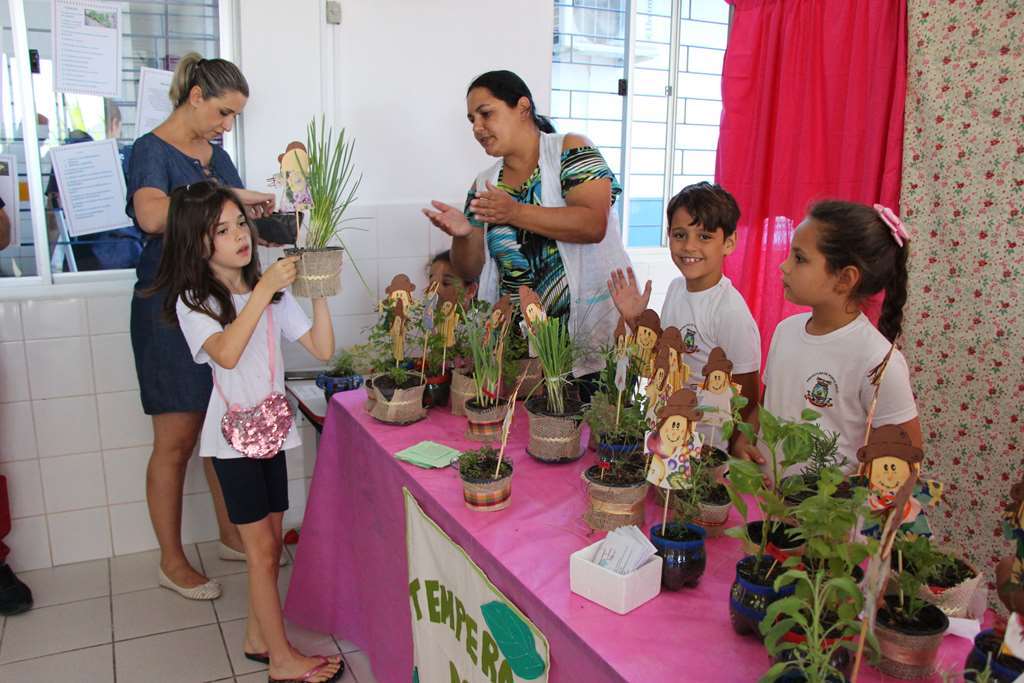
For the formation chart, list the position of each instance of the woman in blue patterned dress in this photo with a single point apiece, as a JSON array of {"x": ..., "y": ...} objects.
[
  {"x": 542, "y": 216},
  {"x": 207, "y": 94}
]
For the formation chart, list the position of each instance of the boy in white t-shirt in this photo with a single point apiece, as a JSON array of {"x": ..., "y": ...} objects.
[{"x": 703, "y": 304}]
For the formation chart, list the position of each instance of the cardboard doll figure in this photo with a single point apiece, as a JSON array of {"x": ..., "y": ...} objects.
[
  {"x": 679, "y": 371},
  {"x": 399, "y": 293},
  {"x": 889, "y": 460},
  {"x": 717, "y": 388},
  {"x": 294, "y": 168},
  {"x": 501, "y": 313},
  {"x": 532, "y": 308},
  {"x": 648, "y": 330},
  {"x": 1010, "y": 575},
  {"x": 448, "y": 316},
  {"x": 658, "y": 386},
  {"x": 623, "y": 338},
  {"x": 674, "y": 441}
]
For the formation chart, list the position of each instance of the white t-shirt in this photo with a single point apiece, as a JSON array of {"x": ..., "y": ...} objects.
[
  {"x": 829, "y": 374},
  {"x": 249, "y": 382},
  {"x": 717, "y": 316}
]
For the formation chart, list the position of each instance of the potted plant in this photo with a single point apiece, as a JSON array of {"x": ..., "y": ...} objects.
[
  {"x": 681, "y": 543},
  {"x": 332, "y": 189},
  {"x": 341, "y": 375},
  {"x": 486, "y": 487},
  {"x": 985, "y": 663},
  {"x": 909, "y": 629},
  {"x": 951, "y": 584},
  {"x": 399, "y": 396},
  {"x": 486, "y": 410},
  {"x": 617, "y": 418},
  {"x": 555, "y": 418},
  {"x": 432, "y": 365},
  {"x": 616, "y": 490},
  {"x": 754, "y": 587},
  {"x": 824, "y": 453},
  {"x": 714, "y": 506},
  {"x": 462, "y": 386}
]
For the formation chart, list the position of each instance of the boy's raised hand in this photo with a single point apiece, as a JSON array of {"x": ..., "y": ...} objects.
[
  {"x": 279, "y": 275},
  {"x": 626, "y": 294}
]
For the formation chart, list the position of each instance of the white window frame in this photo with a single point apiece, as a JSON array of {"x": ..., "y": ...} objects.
[{"x": 46, "y": 283}]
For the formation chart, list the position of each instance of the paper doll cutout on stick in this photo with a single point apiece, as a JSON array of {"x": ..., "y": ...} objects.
[
  {"x": 717, "y": 389},
  {"x": 399, "y": 294},
  {"x": 532, "y": 308},
  {"x": 294, "y": 169},
  {"x": 501, "y": 312},
  {"x": 623, "y": 338},
  {"x": 657, "y": 388},
  {"x": 889, "y": 461},
  {"x": 448, "y": 314},
  {"x": 679, "y": 371},
  {"x": 648, "y": 330},
  {"x": 1010, "y": 575},
  {"x": 674, "y": 441}
]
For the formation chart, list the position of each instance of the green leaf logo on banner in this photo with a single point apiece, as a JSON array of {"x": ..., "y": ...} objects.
[
  {"x": 415, "y": 675},
  {"x": 515, "y": 640}
]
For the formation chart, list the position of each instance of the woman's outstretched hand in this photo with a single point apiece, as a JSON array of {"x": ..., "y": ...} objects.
[
  {"x": 495, "y": 206},
  {"x": 449, "y": 219}
]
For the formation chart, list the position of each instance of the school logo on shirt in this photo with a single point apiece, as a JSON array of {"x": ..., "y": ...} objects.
[
  {"x": 690, "y": 339},
  {"x": 821, "y": 388}
]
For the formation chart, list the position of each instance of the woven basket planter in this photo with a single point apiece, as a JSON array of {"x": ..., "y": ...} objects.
[
  {"x": 909, "y": 656},
  {"x": 319, "y": 271},
  {"x": 405, "y": 406},
  {"x": 554, "y": 438},
  {"x": 955, "y": 601},
  {"x": 463, "y": 389},
  {"x": 371, "y": 393},
  {"x": 609, "y": 507},
  {"x": 484, "y": 424},
  {"x": 487, "y": 495}
]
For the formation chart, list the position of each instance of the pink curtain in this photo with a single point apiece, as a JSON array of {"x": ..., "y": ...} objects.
[{"x": 812, "y": 96}]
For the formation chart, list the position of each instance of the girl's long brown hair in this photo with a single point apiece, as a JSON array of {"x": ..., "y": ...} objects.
[{"x": 188, "y": 244}]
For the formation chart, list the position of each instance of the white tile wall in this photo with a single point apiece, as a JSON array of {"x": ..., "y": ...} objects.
[
  {"x": 17, "y": 432},
  {"x": 59, "y": 367},
  {"x": 74, "y": 441}
]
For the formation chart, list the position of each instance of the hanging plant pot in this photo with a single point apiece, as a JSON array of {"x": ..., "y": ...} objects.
[
  {"x": 484, "y": 423},
  {"x": 952, "y": 592},
  {"x": 780, "y": 545},
  {"x": 985, "y": 653},
  {"x": 533, "y": 379},
  {"x": 484, "y": 493},
  {"x": 318, "y": 271},
  {"x": 714, "y": 511},
  {"x": 462, "y": 390},
  {"x": 681, "y": 548},
  {"x": 554, "y": 437},
  {"x": 400, "y": 405},
  {"x": 614, "y": 501},
  {"x": 437, "y": 390},
  {"x": 908, "y": 647},
  {"x": 752, "y": 592}
]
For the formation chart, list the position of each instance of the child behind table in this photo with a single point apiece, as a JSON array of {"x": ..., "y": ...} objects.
[
  {"x": 233, "y": 318},
  {"x": 841, "y": 254}
]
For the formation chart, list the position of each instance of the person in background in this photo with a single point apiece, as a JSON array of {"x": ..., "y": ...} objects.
[
  {"x": 449, "y": 284},
  {"x": 15, "y": 596},
  {"x": 207, "y": 95}
]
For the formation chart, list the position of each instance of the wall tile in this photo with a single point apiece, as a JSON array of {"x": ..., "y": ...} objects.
[
  {"x": 29, "y": 542},
  {"x": 125, "y": 473},
  {"x": 362, "y": 240},
  {"x": 17, "y": 432},
  {"x": 73, "y": 482},
  {"x": 402, "y": 231},
  {"x": 353, "y": 298},
  {"x": 122, "y": 422},
  {"x": 109, "y": 314},
  {"x": 352, "y": 329},
  {"x": 113, "y": 363},
  {"x": 59, "y": 367},
  {"x": 10, "y": 321},
  {"x": 66, "y": 425},
  {"x": 132, "y": 530},
  {"x": 439, "y": 241},
  {"x": 53, "y": 318},
  {"x": 23, "y": 487},
  {"x": 14, "y": 372},
  {"x": 80, "y": 535}
]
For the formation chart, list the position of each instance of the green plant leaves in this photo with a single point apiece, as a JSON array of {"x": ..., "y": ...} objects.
[{"x": 514, "y": 639}]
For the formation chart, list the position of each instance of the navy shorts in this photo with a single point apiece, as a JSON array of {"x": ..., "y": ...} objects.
[{"x": 253, "y": 488}]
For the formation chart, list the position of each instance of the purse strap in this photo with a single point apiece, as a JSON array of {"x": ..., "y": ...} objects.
[{"x": 270, "y": 348}]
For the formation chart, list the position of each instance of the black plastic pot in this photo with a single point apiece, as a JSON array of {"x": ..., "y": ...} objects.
[
  {"x": 437, "y": 391},
  {"x": 841, "y": 659},
  {"x": 749, "y": 599},
  {"x": 778, "y": 537},
  {"x": 683, "y": 562},
  {"x": 332, "y": 384},
  {"x": 1004, "y": 668}
]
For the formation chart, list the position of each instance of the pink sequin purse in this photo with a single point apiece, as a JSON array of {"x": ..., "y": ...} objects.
[{"x": 260, "y": 431}]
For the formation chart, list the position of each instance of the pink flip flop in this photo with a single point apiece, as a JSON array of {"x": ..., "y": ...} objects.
[{"x": 324, "y": 662}]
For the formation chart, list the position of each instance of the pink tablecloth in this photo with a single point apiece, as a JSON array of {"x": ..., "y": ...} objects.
[{"x": 351, "y": 576}]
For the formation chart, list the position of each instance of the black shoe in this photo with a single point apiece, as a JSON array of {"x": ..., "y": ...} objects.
[{"x": 15, "y": 596}]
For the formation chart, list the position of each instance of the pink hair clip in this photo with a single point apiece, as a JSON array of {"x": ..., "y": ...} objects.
[{"x": 896, "y": 227}]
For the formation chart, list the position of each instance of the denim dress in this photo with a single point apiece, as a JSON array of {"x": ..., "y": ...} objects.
[{"x": 170, "y": 381}]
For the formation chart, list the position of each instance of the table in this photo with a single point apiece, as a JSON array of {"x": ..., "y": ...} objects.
[
  {"x": 310, "y": 400},
  {"x": 351, "y": 576}
]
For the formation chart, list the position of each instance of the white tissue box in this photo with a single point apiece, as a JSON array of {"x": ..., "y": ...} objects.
[{"x": 617, "y": 592}]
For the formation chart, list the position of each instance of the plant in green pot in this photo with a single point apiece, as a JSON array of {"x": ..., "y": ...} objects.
[
  {"x": 555, "y": 418},
  {"x": 331, "y": 183}
]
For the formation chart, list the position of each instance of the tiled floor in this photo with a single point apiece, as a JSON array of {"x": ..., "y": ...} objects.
[{"x": 107, "y": 621}]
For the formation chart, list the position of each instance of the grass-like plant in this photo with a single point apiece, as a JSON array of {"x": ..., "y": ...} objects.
[
  {"x": 487, "y": 361},
  {"x": 554, "y": 347}
]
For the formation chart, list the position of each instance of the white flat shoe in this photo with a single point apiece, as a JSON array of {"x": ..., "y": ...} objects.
[
  {"x": 229, "y": 554},
  {"x": 207, "y": 591}
]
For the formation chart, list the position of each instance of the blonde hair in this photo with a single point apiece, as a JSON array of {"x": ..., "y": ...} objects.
[{"x": 213, "y": 76}]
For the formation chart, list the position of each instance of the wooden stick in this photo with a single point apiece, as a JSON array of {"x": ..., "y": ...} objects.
[
  {"x": 877, "y": 375},
  {"x": 423, "y": 365},
  {"x": 504, "y": 436},
  {"x": 664, "y": 515},
  {"x": 618, "y": 408}
]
